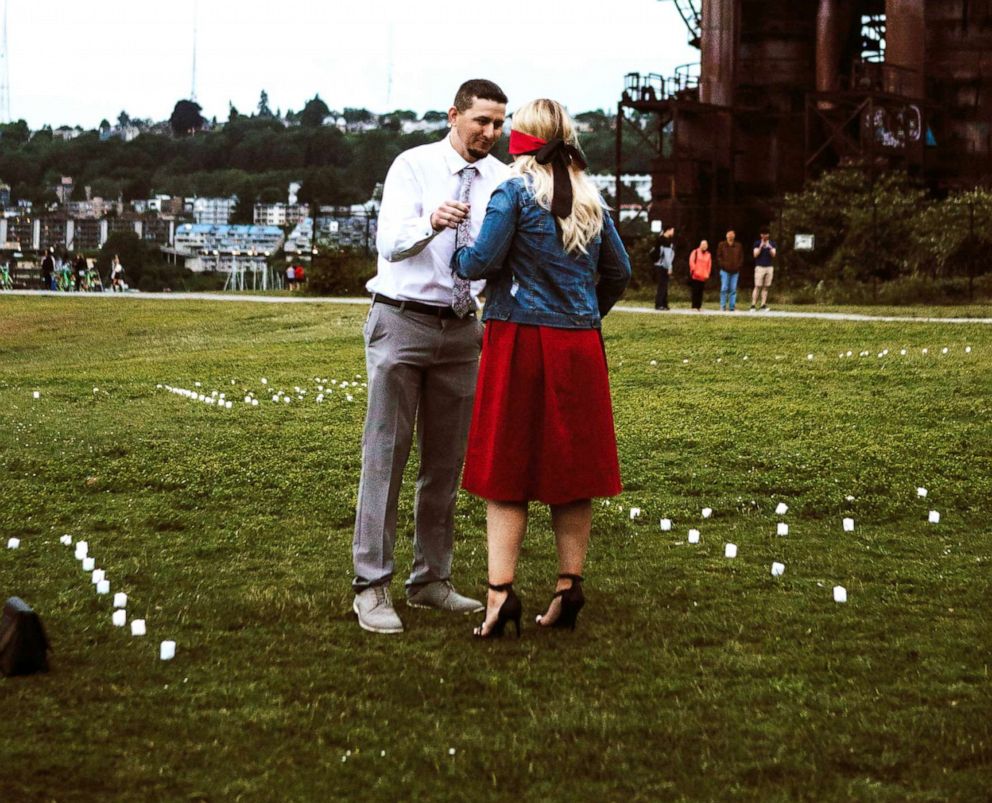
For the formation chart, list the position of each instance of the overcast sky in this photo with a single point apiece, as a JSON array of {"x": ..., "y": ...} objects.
[{"x": 76, "y": 62}]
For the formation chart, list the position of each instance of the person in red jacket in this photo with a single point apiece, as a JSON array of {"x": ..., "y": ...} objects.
[{"x": 700, "y": 265}]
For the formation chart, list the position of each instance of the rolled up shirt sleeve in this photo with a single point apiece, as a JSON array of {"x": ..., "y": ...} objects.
[{"x": 404, "y": 226}]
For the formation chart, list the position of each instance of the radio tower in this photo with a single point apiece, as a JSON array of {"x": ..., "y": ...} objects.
[
  {"x": 4, "y": 73},
  {"x": 192, "y": 91}
]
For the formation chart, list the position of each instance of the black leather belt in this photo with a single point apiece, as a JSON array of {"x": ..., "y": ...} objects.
[{"x": 416, "y": 306}]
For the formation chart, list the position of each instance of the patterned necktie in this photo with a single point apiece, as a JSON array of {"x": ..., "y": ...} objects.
[{"x": 461, "y": 291}]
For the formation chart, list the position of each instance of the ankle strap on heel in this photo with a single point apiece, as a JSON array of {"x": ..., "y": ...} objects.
[
  {"x": 575, "y": 578},
  {"x": 501, "y": 586}
]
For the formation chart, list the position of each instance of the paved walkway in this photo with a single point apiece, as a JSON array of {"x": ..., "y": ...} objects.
[{"x": 302, "y": 299}]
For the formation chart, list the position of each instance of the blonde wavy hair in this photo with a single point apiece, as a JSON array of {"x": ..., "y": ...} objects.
[{"x": 548, "y": 120}]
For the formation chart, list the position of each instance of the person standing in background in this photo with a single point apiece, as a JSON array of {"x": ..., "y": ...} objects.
[
  {"x": 79, "y": 269},
  {"x": 765, "y": 252},
  {"x": 730, "y": 260},
  {"x": 700, "y": 267},
  {"x": 116, "y": 275},
  {"x": 48, "y": 270},
  {"x": 663, "y": 265}
]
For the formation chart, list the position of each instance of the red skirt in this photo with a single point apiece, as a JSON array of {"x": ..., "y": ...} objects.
[{"x": 542, "y": 425}]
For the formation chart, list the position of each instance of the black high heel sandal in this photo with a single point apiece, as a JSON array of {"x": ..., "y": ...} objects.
[
  {"x": 572, "y": 600},
  {"x": 510, "y": 611}
]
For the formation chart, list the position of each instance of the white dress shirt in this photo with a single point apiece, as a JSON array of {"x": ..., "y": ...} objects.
[{"x": 414, "y": 260}]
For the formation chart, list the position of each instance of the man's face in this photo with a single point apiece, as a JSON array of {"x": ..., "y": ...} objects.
[
  {"x": 731, "y": 237},
  {"x": 475, "y": 130}
]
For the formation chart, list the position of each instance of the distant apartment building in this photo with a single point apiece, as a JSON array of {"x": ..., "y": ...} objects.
[
  {"x": 280, "y": 214},
  {"x": 226, "y": 247},
  {"x": 160, "y": 230},
  {"x": 346, "y": 227},
  {"x": 126, "y": 133},
  {"x": 127, "y": 223},
  {"x": 160, "y": 205},
  {"x": 21, "y": 230},
  {"x": 4, "y": 195},
  {"x": 63, "y": 233},
  {"x": 94, "y": 208},
  {"x": 425, "y": 126},
  {"x": 53, "y": 232},
  {"x": 213, "y": 211},
  {"x": 67, "y": 133},
  {"x": 88, "y": 234}
]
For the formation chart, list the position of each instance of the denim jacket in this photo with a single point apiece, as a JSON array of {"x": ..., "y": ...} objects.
[{"x": 531, "y": 279}]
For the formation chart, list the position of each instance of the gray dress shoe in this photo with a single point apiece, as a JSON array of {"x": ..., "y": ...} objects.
[
  {"x": 375, "y": 611},
  {"x": 442, "y": 595}
]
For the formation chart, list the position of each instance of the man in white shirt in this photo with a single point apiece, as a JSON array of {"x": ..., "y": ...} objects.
[{"x": 422, "y": 355}]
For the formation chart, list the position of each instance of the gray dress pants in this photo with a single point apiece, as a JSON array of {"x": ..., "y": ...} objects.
[{"x": 421, "y": 371}]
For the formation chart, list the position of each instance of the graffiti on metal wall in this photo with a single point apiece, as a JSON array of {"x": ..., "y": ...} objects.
[{"x": 895, "y": 127}]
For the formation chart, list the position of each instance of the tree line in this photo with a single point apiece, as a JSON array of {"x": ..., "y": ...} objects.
[{"x": 254, "y": 157}]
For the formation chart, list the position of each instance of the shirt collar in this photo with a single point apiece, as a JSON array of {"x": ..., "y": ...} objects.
[{"x": 456, "y": 163}]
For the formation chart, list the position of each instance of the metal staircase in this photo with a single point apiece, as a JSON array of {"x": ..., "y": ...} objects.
[{"x": 690, "y": 13}]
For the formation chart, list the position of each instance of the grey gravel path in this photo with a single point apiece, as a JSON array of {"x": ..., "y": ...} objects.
[{"x": 260, "y": 299}]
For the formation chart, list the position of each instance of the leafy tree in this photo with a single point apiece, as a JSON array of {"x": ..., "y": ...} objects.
[
  {"x": 596, "y": 120},
  {"x": 357, "y": 115},
  {"x": 263, "y": 105},
  {"x": 435, "y": 117},
  {"x": 14, "y": 134},
  {"x": 953, "y": 235},
  {"x": 123, "y": 119},
  {"x": 232, "y": 113},
  {"x": 863, "y": 224},
  {"x": 138, "y": 186},
  {"x": 321, "y": 186},
  {"x": 186, "y": 118},
  {"x": 314, "y": 112}
]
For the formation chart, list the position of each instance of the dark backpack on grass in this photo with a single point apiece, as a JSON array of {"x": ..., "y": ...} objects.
[{"x": 23, "y": 644}]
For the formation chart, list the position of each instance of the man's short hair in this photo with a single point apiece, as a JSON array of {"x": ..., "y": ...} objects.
[
  {"x": 764, "y": 230},
  {"x": 731, "y": 231},
  {"x": 477, "y": 88}
]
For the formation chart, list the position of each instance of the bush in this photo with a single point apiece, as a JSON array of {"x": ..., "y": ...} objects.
[
  {"x": 875, "y": 230},
  {"x": 340, "y": 272}
]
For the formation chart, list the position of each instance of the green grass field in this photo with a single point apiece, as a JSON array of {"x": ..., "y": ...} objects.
[{"x": 690, "y": 677}]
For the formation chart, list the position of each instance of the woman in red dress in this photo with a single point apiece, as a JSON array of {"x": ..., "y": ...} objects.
[{"x": 542, "y": 428}]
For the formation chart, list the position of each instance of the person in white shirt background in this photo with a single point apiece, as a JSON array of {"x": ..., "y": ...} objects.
[{"x": 422, "y": 343}]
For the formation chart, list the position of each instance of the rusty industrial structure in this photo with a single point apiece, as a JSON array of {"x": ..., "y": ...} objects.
[{"x": 788, "y": 88}]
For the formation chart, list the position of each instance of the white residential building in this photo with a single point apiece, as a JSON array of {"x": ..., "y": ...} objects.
[
  {"x": 280, "y": 214},
  {"x": 213, "y": 211},
  {"x": 193, "y": 238},
  {"x": 409, "y": 126}
]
